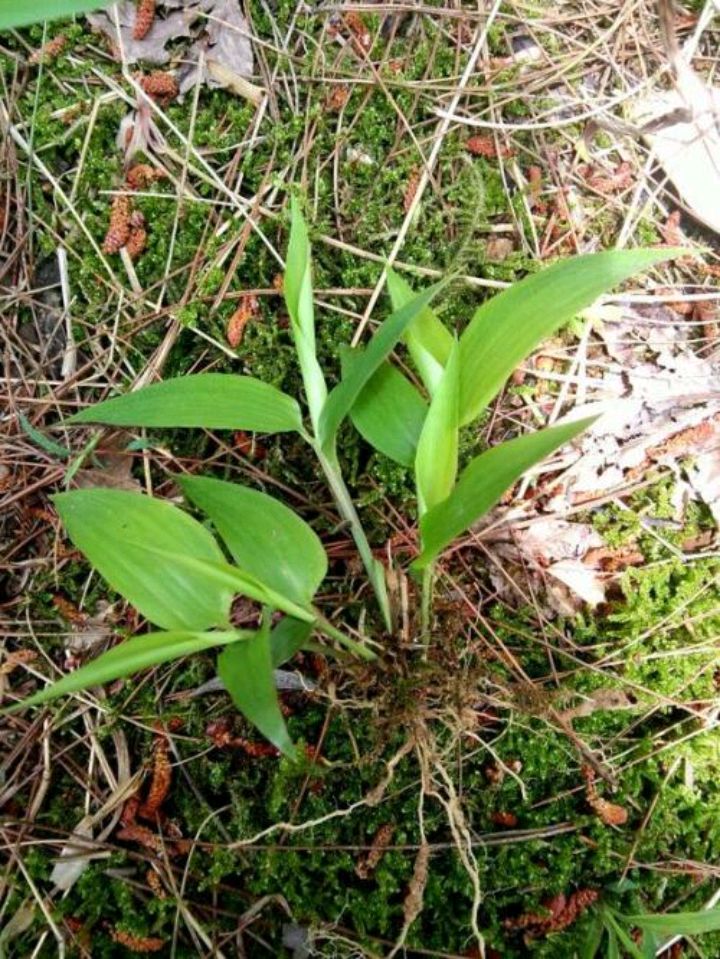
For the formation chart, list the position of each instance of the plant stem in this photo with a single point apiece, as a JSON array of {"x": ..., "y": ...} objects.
[
  {"x": 346, "y": 507},
  {"x": 325, "y": 626},
  {"x": 428, "y": 580}
]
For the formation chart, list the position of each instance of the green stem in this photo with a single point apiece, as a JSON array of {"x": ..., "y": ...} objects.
[
  {"x": 325, "y": 626},
  {"x": 428, "y": 580},
  {"x": 346, "y": 507}
]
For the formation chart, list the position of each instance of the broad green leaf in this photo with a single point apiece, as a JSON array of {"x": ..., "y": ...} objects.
[
  {"x": 427, "y": 338},
  {"x": 224, "y": 576},
  {"x": 131, "y": 657},
  {"x": 213, "y": 400},
  {"x": 344, "y": 395},
  {"x": 389, "y": 412},
  {"x": 287, "y": 638},
  {"x": 482, "y": 483},
  {"x": 246, "y": 669},
  {"x": 265, "y": 538},
  {"x": 437, "y": 453},
  {"x": 113, "y": 528},
  {"x": 677, "y": 923},
  {"x": 509, "y": 326},
  {"x": 298, "y": 292},
  {"x": 16, "y": 14}
]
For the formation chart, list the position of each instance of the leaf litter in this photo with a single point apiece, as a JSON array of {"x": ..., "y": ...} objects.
[
  {"x": 219, "y": 56},
  {"x": 660, "y": 407}
]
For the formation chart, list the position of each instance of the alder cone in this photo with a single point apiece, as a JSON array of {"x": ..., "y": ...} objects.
[
  {"x": 119, "y": 230},
  {"x": 144, "y": 19},
  {"x": 161, "y": 86}
]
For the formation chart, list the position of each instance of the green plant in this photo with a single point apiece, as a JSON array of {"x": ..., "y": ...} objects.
[
  {"x": 14, "y": 14},
  {"x": 643, "y": 936},
  {"x": 173, "y": 570}
]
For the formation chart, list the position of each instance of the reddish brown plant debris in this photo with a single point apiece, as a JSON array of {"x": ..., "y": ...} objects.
[
  {"x": 613, "y": 560},
  {"x": 247, "y": 309},
  {"x": 608, "y": 813},
  {"x": 608, "y": 183},
  {"x": 134, "y": 832},
  {"x": 370, "y": 861},
  {"x": 278, "y": 283},
  {"x": 220, "y": 732},
  {"x": 155, "y": 883},
  {"x": 141, "y": 175},
  {"x": 671, "y": 232},
  {"x": 687, "y": 441},
  {"x": 49, "y": 51},
  {"x": 69, "y": 611},
  {"x": 487, "y": 146},
  {"x": 246, "y": 444},
  {"x": 337, "y": 98},
  {"x": 119, "y": 230},
  {"x": 507, "y": 820},
  {"x": 413, "y": 903},
  {"x": 706, "y": 312},
  {"x": 161, "y": 86},
  {"x": 18, "y": 657},
  {"x": 161, "y": 777},
  {"x": 137, "y": 943},
  {"x": 411, "y": 190},
  {"x": 144, "y": 19},
  {"x": 356, "y": 27},
  {"x": 137, "y": 241},
  {"x": 560, "y": 913}
]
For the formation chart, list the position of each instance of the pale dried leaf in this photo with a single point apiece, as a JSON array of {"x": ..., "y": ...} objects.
[
  {"x": 226, "y": 48},
  {"x": 153, "y": 47},
  {"x": 689, "y": 149}
]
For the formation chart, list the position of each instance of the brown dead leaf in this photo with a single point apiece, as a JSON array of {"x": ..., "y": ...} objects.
[{"x": 112, "y": 467}]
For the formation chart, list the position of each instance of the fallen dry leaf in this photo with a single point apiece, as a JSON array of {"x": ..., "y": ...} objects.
[
  {"x": 152, "y": 46},
  {"x": 225, "y": 45}
]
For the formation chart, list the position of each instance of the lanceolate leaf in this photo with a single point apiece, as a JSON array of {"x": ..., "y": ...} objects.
[
  {"x": 266, "y": 539},
  {"x": 299, "y": 301},
  {"x": 343, "y": 397},
  {"x": 14, "y": 13},
  {"x": 246, "y": 669},
  {"x": 437, "y": 453},
  {"x": 427, "y": 338},
  {"x": 110, "y": 527},
  {"x": 389, "y": 412},
  {"x": 212, "y": 400},
  {"x": 483, "y": 482},
  {"x": 133, "y": 655},
  {"x": 510, "y": 325}
]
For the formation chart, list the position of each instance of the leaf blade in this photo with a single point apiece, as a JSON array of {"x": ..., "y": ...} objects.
[
  {"x": 210, "y": 400},
  {"x": 298, "y": 293},
  {"x": 437, "y": 452},
  {"x": 106, "y": 524},
  {"x": 247, "y": 672},
  {"x": 13, "y": 14},
  {"x": 130, "y": 657},
  {"x": 506, "y": 328},
  {"x": 427, "y": 338},
  {"x": 342, "y": 398},
  {"x": 389, "y": 413},
  {"x": 265, "y": 538},
  {"x": 482, "y": 483}
]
